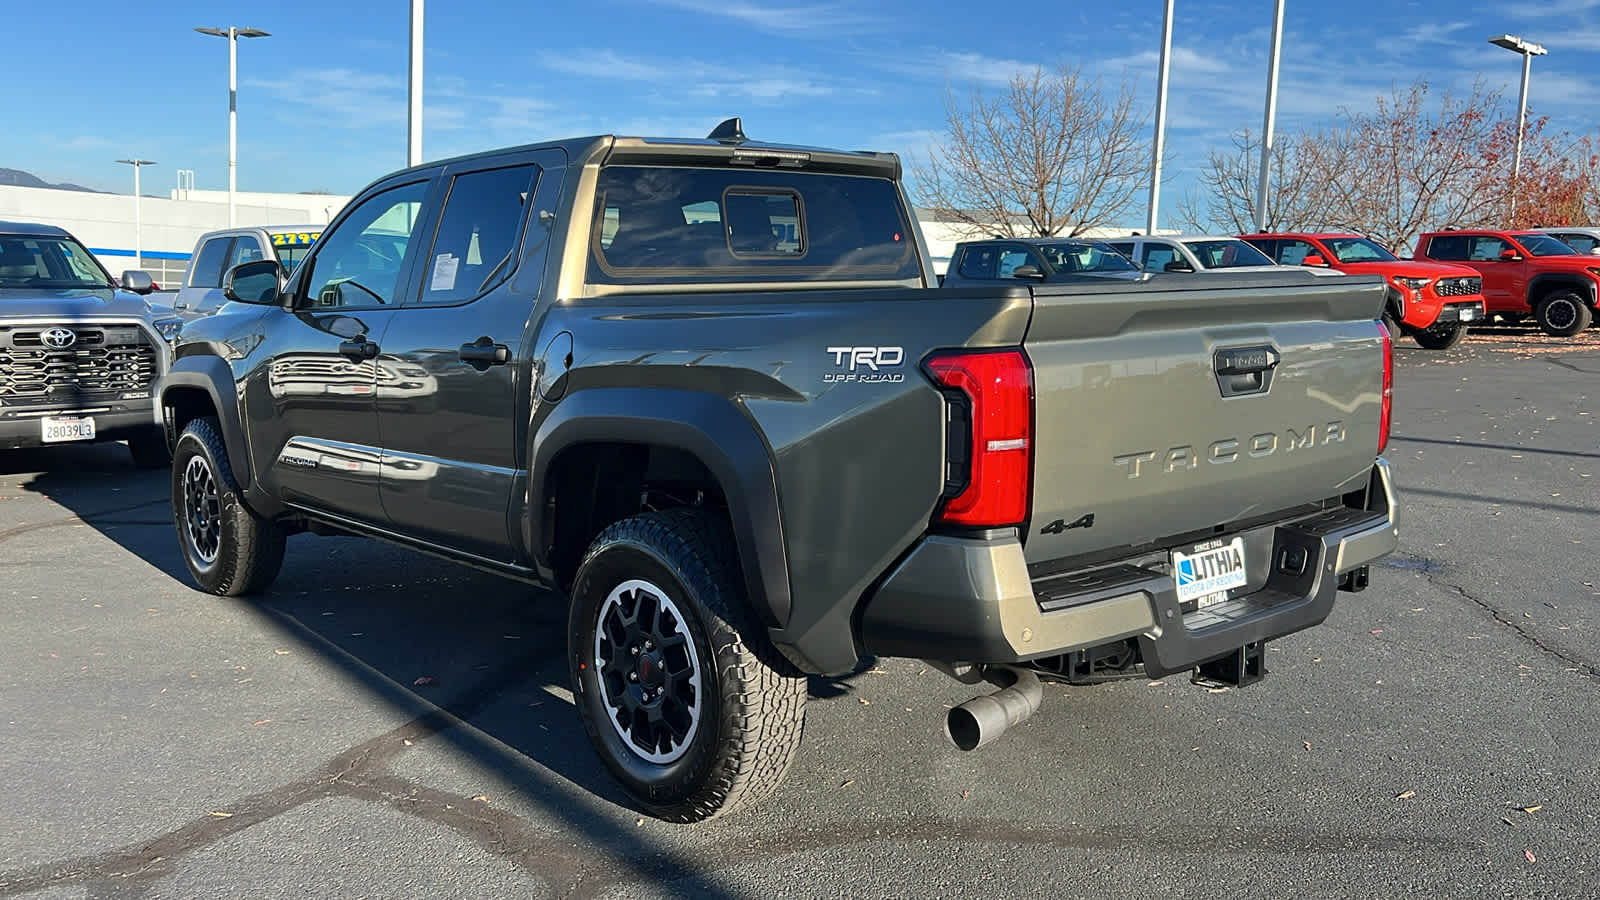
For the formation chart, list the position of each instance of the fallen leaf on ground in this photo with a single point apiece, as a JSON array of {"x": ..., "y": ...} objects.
[
  {"x": 262, "y": 722},
  {"x": 1307, "y": 743},
  {"x": 423, "y": 680},
  {"x": 965, "y": 794},
  {"x": 1528, "y": 855},
  {"x": 864, "y": 701},
  {"x": 281, "y": 652},
  {"x": 1405, "y": 795},
  {"x": 1377, "y": 631},
  {"x": 1532, "y": 809},
  {"x": 638, "y": 822},
  {"x": 1217, "y": 690},
  {"x": 407, "y": 741},
  {"x": 481, "y": 798},
  {"x": 848, "y": 782},
  {"x": 1155, "y": 684},
  {"x": 219, "y": 813},
  {"x": 1508, "y": 821}
]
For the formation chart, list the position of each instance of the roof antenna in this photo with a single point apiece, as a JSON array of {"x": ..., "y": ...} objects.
[{"x": 731, "y": 131}]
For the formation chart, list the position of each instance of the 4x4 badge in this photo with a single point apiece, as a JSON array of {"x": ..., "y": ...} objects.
[{"x": 59, "y": 338}]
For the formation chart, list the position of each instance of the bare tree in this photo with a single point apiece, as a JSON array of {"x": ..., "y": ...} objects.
[
  {"x": 1297, "y": 197},
  {"x": 1051, "y": 154}
]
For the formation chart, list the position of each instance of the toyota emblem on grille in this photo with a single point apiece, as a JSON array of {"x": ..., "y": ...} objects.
[{"x": 59, "y": 338}]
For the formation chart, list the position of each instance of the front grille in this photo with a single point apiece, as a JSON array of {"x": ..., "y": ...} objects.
[
  {"x": 103, "y": 361},
  {"x": 1458, "y": 287}
]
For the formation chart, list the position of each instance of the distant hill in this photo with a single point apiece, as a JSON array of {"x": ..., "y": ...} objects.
[{"x": 28, "y": 179}]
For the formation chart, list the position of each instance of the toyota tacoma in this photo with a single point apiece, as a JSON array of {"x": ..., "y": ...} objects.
[
  {"x": 1524, "y": 272},
  {"x": 704, "y": 389}
]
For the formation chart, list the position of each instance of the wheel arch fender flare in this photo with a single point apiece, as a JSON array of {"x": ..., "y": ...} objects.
[
  {"x": 711, "y": 428},
  {"x": 211, "y": 376},
  {"x": 1541, "y": 286}
]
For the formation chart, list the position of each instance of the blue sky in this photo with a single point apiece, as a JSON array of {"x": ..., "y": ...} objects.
[{"x": 323, "y": 101}]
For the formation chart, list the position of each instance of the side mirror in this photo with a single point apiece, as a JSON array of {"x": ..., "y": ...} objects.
[
  {"x": 1510, "y": 255},
  {"x": 1177, "y": 265},
  {"x": 1313, "y": 259},
  {"x": 138, "y": 281},
  {"x": 258, "y": 281},
  {"x": 1027, "y": 272}
]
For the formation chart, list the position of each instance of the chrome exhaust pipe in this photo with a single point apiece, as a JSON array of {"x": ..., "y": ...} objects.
[{"x": 983, "y": 719}]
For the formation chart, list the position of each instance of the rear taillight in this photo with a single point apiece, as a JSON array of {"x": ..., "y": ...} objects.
[
  {"x": 1388, "y": 387},
  {"x": 996, "y": 389}
]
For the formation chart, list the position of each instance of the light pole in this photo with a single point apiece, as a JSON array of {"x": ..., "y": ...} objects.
[
  {"x": 138, "y": 221},
  {"x": 414, "y": 116},
  {"x": 1158, "y": 145},
  {"x": 1270, "y": 118},
  {"x": 233, "y": 33},
  {"x": 1529, "y": 50}
]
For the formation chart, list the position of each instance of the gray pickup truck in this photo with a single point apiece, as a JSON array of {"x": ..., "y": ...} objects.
[{"x": 705, "y": 390}]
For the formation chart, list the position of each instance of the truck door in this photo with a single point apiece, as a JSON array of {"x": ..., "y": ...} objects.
[
  {"x": 453, "y": 379},
  {"x": 313, "y": 416}
]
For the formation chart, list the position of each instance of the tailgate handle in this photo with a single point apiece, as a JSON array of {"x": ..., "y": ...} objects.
[{"x": 1245, "y": 370}]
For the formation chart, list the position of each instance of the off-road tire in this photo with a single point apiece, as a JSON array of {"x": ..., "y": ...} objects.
[
  {"x": 751, "y": 699},
  {"x": 1562, "y": 314},
  {"x": 149, "y": 449},
  {"x": 248, "y": 549},
  {"x": 1439, "y": 337}
]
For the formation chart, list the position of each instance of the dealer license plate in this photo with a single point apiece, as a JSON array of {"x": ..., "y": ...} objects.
[
  {"x": 1208, "y": 572},
  {"x": 55, "y": 429},
  {"x": 1468, "y": 315}
]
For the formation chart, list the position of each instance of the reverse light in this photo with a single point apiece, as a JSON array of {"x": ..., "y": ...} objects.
[
  {"x": 1386, "y": 416},
  {"x": 991, "y": 394}
]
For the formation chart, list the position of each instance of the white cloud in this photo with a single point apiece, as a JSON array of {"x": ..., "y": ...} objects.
[
  {"x": 830, "y": 20},
  {"x": 693, "y": 77}
]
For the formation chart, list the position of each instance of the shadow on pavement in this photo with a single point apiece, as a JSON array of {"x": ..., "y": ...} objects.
[{"x": 450, "y": 645}]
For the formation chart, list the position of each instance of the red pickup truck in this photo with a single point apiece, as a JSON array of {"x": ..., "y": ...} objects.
[
  {"x": 1524, "y": 272},
  {"x": 1429, "y": 301}
]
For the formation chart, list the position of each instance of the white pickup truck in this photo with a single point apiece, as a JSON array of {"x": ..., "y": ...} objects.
[{"x": 218, "y": 251}]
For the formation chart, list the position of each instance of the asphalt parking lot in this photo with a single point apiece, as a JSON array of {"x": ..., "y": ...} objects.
[{"x": 384, "y": 724}]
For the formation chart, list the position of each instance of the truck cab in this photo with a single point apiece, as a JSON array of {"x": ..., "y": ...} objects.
[
  {"x": 1524, "y": 273},
  {"x": 217, "y": 251}
]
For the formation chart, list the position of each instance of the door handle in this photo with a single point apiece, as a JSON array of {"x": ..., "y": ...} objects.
[
  {"x": 359, "y": 349},
  {"x": 484, "y": 352}
]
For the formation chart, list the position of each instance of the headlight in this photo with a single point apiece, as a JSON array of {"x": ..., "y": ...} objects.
[
  {"x": 1416, "y": 284},
  {"x": 168, "y": 328}
]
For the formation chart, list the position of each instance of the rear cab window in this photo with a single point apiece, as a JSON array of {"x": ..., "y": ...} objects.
[{"x": 656, "y": 224}]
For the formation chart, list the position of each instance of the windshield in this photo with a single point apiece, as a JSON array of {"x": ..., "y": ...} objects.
[
  {"x": 1083, "y": 256},
  {"x": 1357, "y": 249},
  {"x": 292, "y": 247},
  {"x": 48, "y": 263},
  {"x": 1545, "y": 245},
  {"x": 1227, "y": 254}
]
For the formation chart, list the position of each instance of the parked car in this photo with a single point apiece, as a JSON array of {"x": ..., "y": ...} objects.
[
  {"x": 1430, "y": 301},
  {"x": 748, "y": 445},
  {"x": 1524, "y": 272},
  {"x": 1035, "y": 259},
  {"x": 217, "y": 251},
  {"x": 1192, "y": 253},
  {"x": 79, "y": 354},
  {"x": 1581, "y": 238}
]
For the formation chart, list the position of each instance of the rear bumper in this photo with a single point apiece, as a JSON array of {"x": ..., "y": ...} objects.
[
  {"x": 971, "y": 600},
  {"x": 113, "y": 421}
]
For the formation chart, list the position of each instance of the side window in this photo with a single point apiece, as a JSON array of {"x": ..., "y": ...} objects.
[
  {"x": 1156, "y": 257},
  {"x": 1582, "y": 243},
  {"x": 206, "y": 272},
  {"x": 1294, "y": 253},
  {"x": 1013, "y": 257},
  {"x": 479, "y": 233},
  {"x": 1487, "y": 248},
  {"x": 1269, "y": 247},
  {"x": 245, "y": 249},
  {"x": 1125, "y": 248},
  {"x": 359, "y": 262},
  {"x": 1448, "y": 247},
  {"x": 977, "y": 262}
]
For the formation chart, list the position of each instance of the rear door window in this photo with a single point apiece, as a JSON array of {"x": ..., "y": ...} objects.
[
  {"x": 1156, "y": 256},
  {"x": 245, "y": 249},
  {"x": 1452, "y": 246},
  {"x": 209, "y": 264},
  {"x": 661, "y": 223},
  {"x": 978, "y": 262},
  {"x": 478, "y": 236}
]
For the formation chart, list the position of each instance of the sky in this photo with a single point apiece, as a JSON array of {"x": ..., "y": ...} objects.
[{"x": 322, "y": 102}]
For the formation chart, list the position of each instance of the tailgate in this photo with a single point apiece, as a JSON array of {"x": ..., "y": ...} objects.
[{"x": 1136, "y": 426}]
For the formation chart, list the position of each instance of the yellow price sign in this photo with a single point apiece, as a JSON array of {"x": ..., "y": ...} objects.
[{"x": 295, "y": 239}]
